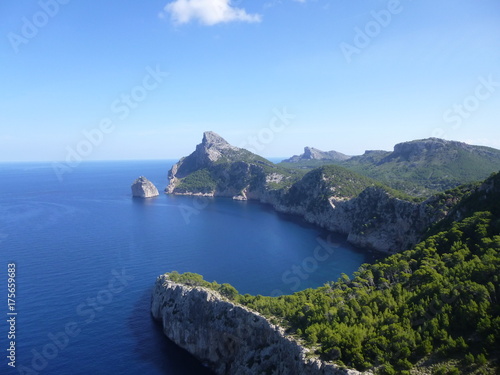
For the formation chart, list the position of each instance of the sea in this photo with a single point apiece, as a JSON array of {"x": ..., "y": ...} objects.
[{"x": 79, "y": 257}]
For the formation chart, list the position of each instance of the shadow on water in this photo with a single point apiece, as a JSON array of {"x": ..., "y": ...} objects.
[{"x": 166, "y": 356}]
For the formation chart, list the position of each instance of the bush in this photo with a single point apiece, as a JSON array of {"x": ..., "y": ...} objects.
[
  {"x": 469, "y": 359},
  {"x": 446, "y": 370},
  {"x": 481, "y": 359},
  {"x": 228, "y": 291},
  {"x": 387, "y": 370}
]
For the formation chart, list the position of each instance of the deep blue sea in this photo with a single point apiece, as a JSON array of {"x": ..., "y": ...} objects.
[{"x": 87, "y": 254}]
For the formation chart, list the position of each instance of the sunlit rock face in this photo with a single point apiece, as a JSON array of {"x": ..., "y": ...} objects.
[
  {"x": 229, "y": 338},
  {"x": 143, "y": 188}
]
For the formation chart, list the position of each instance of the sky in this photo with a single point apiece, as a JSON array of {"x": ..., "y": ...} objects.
[{"x": 115, "y": 80}]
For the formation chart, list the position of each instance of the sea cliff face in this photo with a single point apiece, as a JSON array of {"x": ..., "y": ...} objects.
[
  {"x": 373, "y": 219},
  {"x": 228, "y": 338}
]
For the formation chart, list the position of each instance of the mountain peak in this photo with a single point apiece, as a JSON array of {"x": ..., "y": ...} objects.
[
  {"x": 212, "y": 147},
  {"x": 211, "y": 139},
  {"x": 435, "y": 149}
]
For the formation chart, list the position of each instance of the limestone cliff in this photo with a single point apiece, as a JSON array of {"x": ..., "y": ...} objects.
[
  {"x": 216, "y": 168},
  {"x": 373, "y": 219},
  {"x": 143, "y": 188},
  {"x": 230, "y": 338}
]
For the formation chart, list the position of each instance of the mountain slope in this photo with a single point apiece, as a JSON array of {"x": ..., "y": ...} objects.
[
  {"x": 441, "y": 299},
  {"x": 311, "y": 153},
  {"x": 430, "y": 165},
  {"x": 421, "y": 167}
]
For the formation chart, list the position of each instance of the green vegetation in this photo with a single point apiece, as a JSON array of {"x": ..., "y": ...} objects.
[
  {"x": 324, "y": 182},
  {"x": 308, "y": 164},
  {"x": 470, "y": 198},
  {"x": 196, "y": 280},
  {"x": 318, "y": 185},
  {"x": 440, "y": 299},
  {"x": 234, "y": 170},
  {"x": 428, "y": 166},
  {"x": 419, "y": 168},
  {"x": 200, "y": 181}
]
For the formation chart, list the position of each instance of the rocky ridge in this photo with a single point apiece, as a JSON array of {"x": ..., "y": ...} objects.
[
  {"x": 311, "y": 153},
  {"x": 427, "y": 166},
  {"x": 230, "y": 338},
  {"x": 143, "y": 188}
]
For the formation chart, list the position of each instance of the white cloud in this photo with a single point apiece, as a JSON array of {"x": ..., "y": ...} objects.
[{"x": 207, "y": 12}]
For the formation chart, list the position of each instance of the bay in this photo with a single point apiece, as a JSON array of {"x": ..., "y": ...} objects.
[{"x": 87, "y": 255}]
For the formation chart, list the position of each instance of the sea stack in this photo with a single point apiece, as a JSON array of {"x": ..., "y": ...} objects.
[{"x": 143, "y": 188}]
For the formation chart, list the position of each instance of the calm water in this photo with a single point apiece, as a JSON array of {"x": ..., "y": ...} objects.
[{"x": 87, "y": 255}]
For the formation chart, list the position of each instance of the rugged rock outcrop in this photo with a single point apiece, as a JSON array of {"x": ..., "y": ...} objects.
[
  {"x": 230, "y": 338},
  {"x": 311, "y": 153},
  {"x": 373, "y": 219},
  {"x": 216, "y": 168},
  {"x": 143, "y": 188},
  {"x": 370, "y": 215}
]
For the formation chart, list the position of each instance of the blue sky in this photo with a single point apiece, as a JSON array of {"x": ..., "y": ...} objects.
[{"x": 143, "y": 80}]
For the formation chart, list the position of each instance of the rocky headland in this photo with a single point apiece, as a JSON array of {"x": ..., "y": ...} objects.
[{"x": 230, "y": 338}]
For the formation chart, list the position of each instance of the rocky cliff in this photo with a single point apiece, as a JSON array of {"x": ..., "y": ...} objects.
[
  {"x": 216, "y": 168},
  {"x": 370, "y": 214},
  {"x": 230, "y": 338},
  {"x": 143, "y": 188}
]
